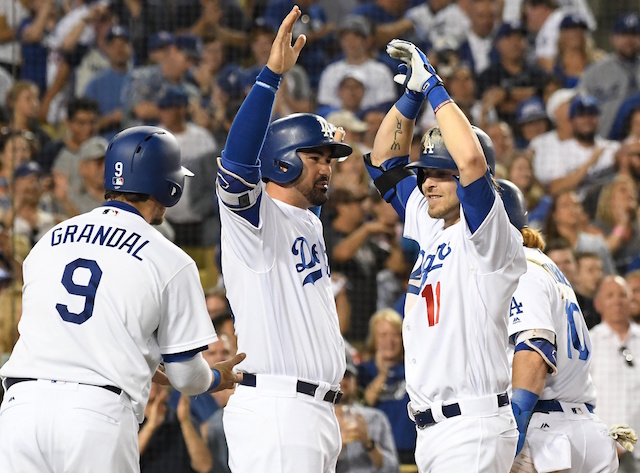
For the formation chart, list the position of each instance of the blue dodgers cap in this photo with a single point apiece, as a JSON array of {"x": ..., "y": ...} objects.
[
  {"x": 26, "y": 169},
  {"x": 174, "y": 96},
  {"x": 191, "y": 45},
  {"x": 583, "y": 105},
  {"x": 509, "y": 28},
  {"x": 117, "y": 31},
  {"x": 530, "y": 110},
  {"x": 573, "y": 21},
  {"x": 231, "y": 79},
  {"x": 627, "y": 24},
  {"x": 160, "y": 39}
]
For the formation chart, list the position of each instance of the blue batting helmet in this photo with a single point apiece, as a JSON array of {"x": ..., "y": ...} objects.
[
  {"x": 434, "y": 153},
  {"x": 298, "y": 132},
  {"x": 514, "y": 203},
  {"x": 145, "y": 160}
]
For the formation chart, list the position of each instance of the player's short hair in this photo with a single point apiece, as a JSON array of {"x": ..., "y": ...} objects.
[
  {"x": 390, "y": 316},
  {"x": 128, "y": 196}
]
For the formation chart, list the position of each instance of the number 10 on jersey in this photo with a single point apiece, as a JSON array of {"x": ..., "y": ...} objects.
[{"x": 432, "y": 299}]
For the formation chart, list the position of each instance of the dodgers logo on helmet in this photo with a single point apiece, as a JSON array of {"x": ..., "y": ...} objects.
[
  {"x": 434, "y": 154},
  {"x": 514, "y": 203},
  {"x": 279, "y": 160},
  {"x": 145, "y": 160}
]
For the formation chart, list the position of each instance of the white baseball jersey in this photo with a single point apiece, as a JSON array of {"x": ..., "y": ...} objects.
[
  {"x": 105, "y": 295},
  {"x": 544, "y": 299},
  {"x": 279, "y": 287},
  {"x": 455, "y": 325}
]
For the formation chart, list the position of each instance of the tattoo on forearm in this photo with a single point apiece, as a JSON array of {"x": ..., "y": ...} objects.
[{"x": 395, "y": 145}]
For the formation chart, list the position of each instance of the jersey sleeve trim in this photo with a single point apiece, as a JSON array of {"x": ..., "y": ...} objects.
[{"x": 182, "y": 356}]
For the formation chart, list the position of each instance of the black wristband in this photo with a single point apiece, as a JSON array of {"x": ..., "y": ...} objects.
[{"x": 370, "y": 445}]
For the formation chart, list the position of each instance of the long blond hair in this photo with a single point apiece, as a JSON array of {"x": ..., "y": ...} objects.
[{"x": 390, "y": 316}]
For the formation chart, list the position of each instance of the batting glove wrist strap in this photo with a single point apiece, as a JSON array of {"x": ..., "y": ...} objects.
[
  {"x": 269, "y": 78},
  {"x": 522, "y": 404},
  {"x": 410, "y": 103}
]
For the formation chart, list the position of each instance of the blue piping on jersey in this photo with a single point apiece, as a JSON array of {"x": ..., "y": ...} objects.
[
  {"x": 185, "y": 355},
  {"x": 122, "y": 206}
]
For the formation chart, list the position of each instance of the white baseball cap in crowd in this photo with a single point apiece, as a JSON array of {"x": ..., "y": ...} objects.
[{"x": 556, "y": 99}]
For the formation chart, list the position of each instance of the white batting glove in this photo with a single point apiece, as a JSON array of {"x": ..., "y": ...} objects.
[
  {"x": 624, "y": 435},
  {"x": 421, "y": 75}
]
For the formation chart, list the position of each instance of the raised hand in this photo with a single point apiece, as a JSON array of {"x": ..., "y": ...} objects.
[
  {"x": 283, "y": 56},
  {"x": 228, "y": 378},
  {"x": 418, "y": 75}
]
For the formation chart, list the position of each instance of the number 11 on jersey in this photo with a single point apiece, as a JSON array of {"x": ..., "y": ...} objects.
[{"x": 432, "y": 299}]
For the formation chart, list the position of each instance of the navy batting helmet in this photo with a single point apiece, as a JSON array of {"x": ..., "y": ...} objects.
[
  {"x": 514, "y": 203},
  {"x": 145, "y": 160},
  {"x": 286, "y": 136},
  {"x": 435, "y": 155}
]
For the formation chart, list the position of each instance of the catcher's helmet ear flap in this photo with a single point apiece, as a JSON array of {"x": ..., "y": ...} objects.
[
  {"x": 145, "y": 160},
  {"x": 434, "y": 153},
  {"x": 514, "y": 203},
  {"x": 279, "y": 161}
]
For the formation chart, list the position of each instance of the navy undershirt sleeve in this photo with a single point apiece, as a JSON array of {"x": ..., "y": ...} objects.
[
  {"x": 477, "y": 199},
  {"x": 250, "y": 125}
]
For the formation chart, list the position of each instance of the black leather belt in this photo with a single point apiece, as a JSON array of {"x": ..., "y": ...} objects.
[
  {"x": 249, "y": 379},
  {"x": 554, "y": 406},
  {"x": 425, "y": 418},
  {"x": 11, "y": 381}
]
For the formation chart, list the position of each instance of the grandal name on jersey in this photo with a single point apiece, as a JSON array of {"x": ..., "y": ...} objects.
[{"x": 102, "y": 235}]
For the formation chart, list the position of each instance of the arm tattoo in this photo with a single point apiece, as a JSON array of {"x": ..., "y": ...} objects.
[{"x": 395, "y": 145}]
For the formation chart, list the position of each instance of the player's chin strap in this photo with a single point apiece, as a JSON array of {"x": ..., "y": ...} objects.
[
  {"x": 522, "y": 404},
  {"x": 624, "y": 435}
]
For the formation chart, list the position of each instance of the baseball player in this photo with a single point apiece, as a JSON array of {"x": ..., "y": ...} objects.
[
  {"x": 106, "y": 298},
  {"x": 553, "y": 396},
  {"x": 281, "y": 417},
  {"x": 470, "y": 259}
]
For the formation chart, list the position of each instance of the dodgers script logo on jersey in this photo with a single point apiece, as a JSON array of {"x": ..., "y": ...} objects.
[
  {"x": 425, "y": 264},
  {"x": 309, "y": 258}
]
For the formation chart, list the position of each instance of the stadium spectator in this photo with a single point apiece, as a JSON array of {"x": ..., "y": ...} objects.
[
  {"x": 23, "y": 106},
  {"x": 586, "y": 160},
  {"x": 531, "y": 121},
  {"x": 562, "y": 254},
  {"x": 546, "y": 146},
  {"x": 501, "y": 135},
  {"x": 440, "y": 23},
  {"x": 158, "y": 47},
  {"x": 356, "y": 42},
  {"x": 633, "y": 280},
  {"x": 144, "y": 86},
  {"x": 367, "y": 440},
  {"x": 142, "y": 18},
  {"x": 90, "y": 193},
  {"x": 388, "y": 20},
  {"x": 587, "y": 279},
  {"x": 354, "y": 251},
  {"x": 614, "y": 368},
  {"x": 510, "y": 80},
  {"x": 11, "y": 15},
  {"x": 621, "y": 69},
  {"x": 15, "y": 148},
  {"x": 576, "y": 51},
  {"x": 520, "y": 172},
  {"x": 351, "y": 90},
  {"x": 168, "y": 439},
  {"x": 32, "y": 33},
  {"x": 616, "y": 217},
  {"x": 477, "y": 50},
  {"x": 106, "y": 87},
  {"x": 382, "y": 378},
  {"x": 81, "y": 124},
  {"x": 543, "y": 18},
  {"x": 566, "y": 219}
]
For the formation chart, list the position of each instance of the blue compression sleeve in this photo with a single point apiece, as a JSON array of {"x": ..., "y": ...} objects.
[
  {"x": 249, "y": 127},
  {"x": 477, "y": 199},
  {"x": 522, "y": 404}
]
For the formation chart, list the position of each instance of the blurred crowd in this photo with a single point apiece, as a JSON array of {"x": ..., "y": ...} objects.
[{"x": 555, "y": 83}]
